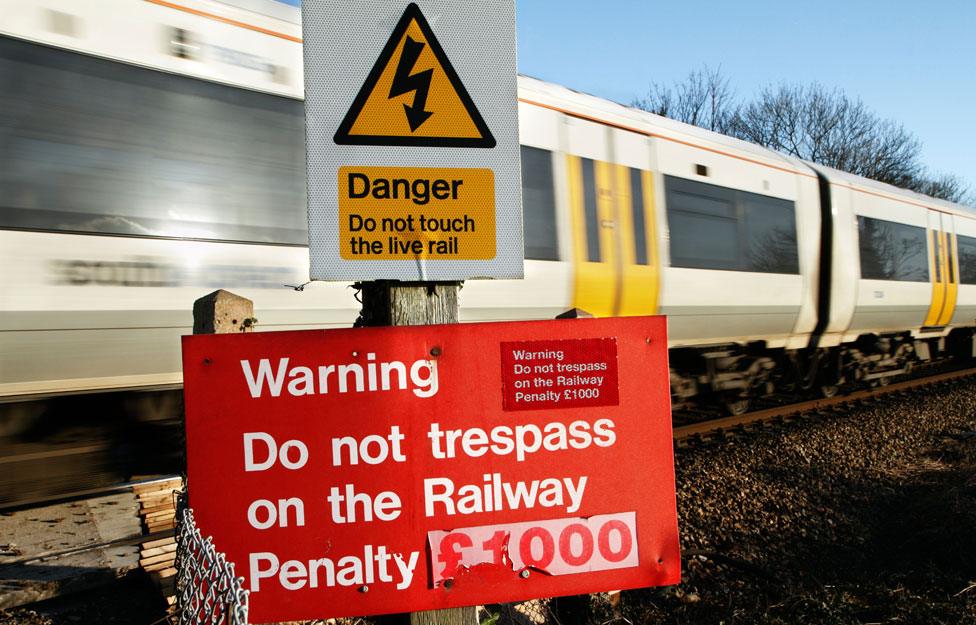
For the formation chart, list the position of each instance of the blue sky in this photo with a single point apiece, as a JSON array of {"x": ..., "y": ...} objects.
[{"x": 912, "y": 62}]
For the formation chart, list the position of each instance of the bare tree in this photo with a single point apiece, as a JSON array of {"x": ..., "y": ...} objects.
[
  {"x": 945, "y": 187},
  {"x": 811, "y": 122},
  {"x": 827, "y": 127},
  {"x": 704, "y": 99}
]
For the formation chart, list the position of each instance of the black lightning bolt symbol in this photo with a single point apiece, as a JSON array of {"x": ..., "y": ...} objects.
[{"x": 404, "y": 83}]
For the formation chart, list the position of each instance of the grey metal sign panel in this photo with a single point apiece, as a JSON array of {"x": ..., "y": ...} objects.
[{"x": 412, "y": 140}]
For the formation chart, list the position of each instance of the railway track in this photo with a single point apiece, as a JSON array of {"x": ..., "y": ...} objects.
[{"x": 712, "y": 427}]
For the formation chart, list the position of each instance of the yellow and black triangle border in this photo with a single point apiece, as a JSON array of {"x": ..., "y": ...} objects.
[{"x": 342, "y": 136}]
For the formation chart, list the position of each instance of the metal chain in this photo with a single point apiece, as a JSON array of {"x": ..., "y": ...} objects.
[{"x": 207, "y": 590}]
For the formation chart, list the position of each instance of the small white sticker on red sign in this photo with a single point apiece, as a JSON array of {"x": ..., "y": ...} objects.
[{"x": 553, "y": 546}]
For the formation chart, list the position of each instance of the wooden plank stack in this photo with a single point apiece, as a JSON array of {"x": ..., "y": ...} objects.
[{"x": 157, "y": 507}]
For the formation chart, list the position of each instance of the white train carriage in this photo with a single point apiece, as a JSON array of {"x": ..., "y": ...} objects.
[
  {"x": 661, "y": 217},
  {"x": 896, "y": 265},
  {"x": 900, "y": 265},
  {"x": 153, "y": 151}
]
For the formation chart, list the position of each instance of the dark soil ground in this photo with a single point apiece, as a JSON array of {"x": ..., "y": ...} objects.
[{"x": 860, "y": 519}]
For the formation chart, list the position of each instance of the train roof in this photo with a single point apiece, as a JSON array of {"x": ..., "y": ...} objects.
[
  {"x": 618, "y": 115},
  {"x": 531, "y": 90},
  {"x": 860, "y": 183},
  {"x": 583, "y": 105}
]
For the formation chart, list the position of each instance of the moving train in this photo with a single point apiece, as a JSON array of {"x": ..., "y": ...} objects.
[{"x": 153, "y": 150}]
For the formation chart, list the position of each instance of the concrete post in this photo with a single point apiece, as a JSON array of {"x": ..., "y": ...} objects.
[{"x": 222, "y": 312}]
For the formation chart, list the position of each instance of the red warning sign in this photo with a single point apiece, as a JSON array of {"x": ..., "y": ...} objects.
[
  {"x": 369, "y": 471},
  {"x": 559, "y": 374}
]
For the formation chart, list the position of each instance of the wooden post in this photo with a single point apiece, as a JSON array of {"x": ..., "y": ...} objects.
[
  {"x": 220, "y": 312},
  {"x": 574, "y": 608},
  {"x": 387, "y": 303}
]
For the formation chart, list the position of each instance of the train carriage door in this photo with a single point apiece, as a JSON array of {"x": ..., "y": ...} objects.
[
  {"x": 951, "y": 269},
  {"x": 634, "y": 195},
  {"x": 938, "y": 275},
  {"x": 593, "y": 215},
  {"x": 611, "y": 200}
]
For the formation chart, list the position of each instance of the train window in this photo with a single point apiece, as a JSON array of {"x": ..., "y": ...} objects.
[
  {"x": 771, "y": 232},
  {"x": 937, "y": 254},
  {"x": 892, "y": 251},
  {"x": 951, "y": 269},
  {"x": 715, "y": 227},
  {"x": 703, "y": 223},
  {"x": 539, "y": 204},
  {"x": 701, "y": 239},
  {"x": 637, "y": 208},
  {"x": 967, "y": 259},
  {"x": 591, "y": 217},
  {"x": 91, "y": 145}
]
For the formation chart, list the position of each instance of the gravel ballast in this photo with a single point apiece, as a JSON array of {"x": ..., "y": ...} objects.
[{"x": 869, "y": 517}]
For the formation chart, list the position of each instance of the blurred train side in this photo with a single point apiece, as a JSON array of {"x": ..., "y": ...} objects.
[
  {"x": 152, "y": 151},
  {"x": 156, "y": 153},
  {"x": 187, "y": 156}
]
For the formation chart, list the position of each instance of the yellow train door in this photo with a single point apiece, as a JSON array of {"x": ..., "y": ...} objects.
[
  {"x": 951, "y": 269},
  {"x": 640, "y": 272},
  {"x": 614, "y": 241},
  {"x": 595, "y": 245},
  {"x": 945, "y": 270}
]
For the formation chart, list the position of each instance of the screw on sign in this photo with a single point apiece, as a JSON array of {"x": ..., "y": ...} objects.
[{"x": 434, "y": 466}]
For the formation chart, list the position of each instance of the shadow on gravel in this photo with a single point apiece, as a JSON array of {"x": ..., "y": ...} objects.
[{"x": 133, "y": 601}]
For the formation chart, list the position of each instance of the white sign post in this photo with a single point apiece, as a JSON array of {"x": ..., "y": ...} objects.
[{"x": 412, "y": 140}]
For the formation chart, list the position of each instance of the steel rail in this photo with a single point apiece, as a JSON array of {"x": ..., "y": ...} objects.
[{"x": 714, "y": 426}]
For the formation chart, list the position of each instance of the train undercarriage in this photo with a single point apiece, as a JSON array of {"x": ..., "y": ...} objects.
[{"x": 735, "y": 376}]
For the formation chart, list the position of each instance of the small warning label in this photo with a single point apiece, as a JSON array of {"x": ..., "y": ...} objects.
[
  {"x": 568, "y": 373},
  {"x": 416, "y": 213},
  {"x": 413, "y": 96}
]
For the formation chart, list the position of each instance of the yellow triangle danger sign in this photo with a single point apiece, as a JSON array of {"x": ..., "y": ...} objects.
[{"x": 413, "y": 96}]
